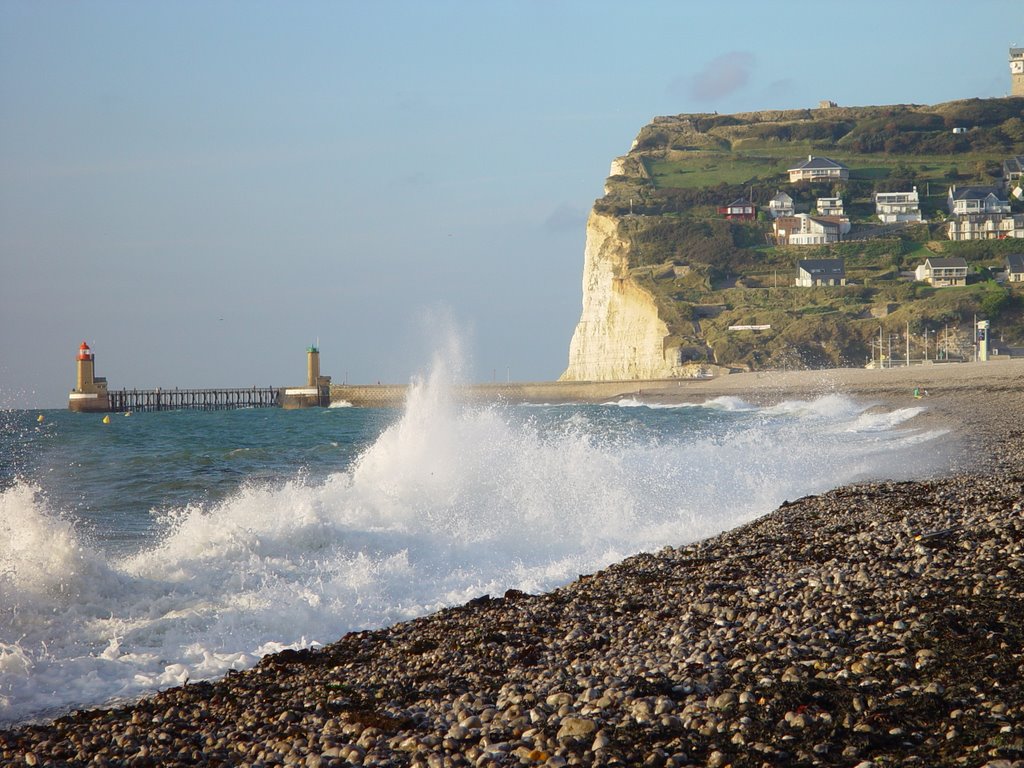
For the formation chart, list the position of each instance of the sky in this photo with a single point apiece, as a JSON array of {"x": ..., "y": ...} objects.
[{"x": 201, "y": 190}]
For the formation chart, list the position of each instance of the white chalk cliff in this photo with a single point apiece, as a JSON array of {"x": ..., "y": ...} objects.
[{"x": 619, "y": 335}]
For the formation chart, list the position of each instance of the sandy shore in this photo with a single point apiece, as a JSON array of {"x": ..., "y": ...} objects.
[{"x": 879, "y": 624}]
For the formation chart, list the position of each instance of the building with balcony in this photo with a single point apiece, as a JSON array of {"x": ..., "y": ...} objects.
[
  {"x": 985, "y": 226},
  {"x": 818, "y": 169},
  {"x": 897, "y": 207},
  {"x": 830, "y": 206},
  {"x": 942, "y": 273},
  {"x": 781, "y": 205},
  {"x": 963, "y": 201}
]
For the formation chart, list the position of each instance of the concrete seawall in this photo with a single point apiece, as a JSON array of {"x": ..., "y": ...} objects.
[
  {"x": 759, "y": 386},
  {"x": 391, "y": 396}
]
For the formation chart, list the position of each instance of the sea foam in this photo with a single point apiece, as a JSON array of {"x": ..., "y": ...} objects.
[{"x": 447, "y": 503}]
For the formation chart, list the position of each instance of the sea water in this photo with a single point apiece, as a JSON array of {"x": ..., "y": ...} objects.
[{"x": 173, "y": 546}]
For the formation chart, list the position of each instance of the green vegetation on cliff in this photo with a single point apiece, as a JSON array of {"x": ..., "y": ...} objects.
[{"x": 708, "y": 273}]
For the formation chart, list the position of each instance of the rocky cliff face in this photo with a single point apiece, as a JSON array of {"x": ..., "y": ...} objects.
[
  {"x": 620, "y": 335},
  {"x": 666, "y": 278}
]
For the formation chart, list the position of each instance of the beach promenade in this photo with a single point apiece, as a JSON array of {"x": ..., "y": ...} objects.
[{"x": 879, "y": 624}]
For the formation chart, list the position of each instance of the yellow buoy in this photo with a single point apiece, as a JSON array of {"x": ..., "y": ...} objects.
[
  {"x": 106, "y": 419},
  {"x": 39, "y": 418},
  {"x": 127, "y": 413}
]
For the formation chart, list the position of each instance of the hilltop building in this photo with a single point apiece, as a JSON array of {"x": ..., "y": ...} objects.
[
  {"x": 1017, "y": 71},
  {"x": 818, "y": 169},
  {"x": 90, "y": 392}
]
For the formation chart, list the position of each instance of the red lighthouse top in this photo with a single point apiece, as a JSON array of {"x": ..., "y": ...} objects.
[{"x": 84, "y": 353}]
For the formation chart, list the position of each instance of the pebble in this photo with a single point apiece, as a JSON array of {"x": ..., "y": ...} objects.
[{"x": 815, "y": 635}]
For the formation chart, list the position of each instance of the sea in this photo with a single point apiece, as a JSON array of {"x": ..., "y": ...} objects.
[{"x": 166, "y": 547}]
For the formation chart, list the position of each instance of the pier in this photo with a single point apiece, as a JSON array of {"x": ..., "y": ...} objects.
[
  {"x": 92, "y": 395},
  {"x": 191, "y": 399}
]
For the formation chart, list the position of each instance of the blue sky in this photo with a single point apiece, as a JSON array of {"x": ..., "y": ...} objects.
[{"x": 202, "y": 189}]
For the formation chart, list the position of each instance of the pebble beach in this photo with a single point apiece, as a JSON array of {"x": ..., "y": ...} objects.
[{"x": 877, "y": 624}]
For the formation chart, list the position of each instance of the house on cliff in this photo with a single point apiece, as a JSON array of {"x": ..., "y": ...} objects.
[
  {"x": 803, "y": 229},
  {"x": 818, "y": 169},
  {"x": 814, "y": 272},
  {"x": 1015, "y": 268},
  {"x": 981, "y": 213},
  {"x": 985, "y": 226},
  {"x": 781, "y": 205},
  {"x": 942, "y": 273},
  {"x": 1013, "y": 172},
  {"x": 740, "y": 209},
  {"x": 830, "y": 206},
  {"x": 964, "y": 201},
  {"x": 896, "y": 207}
]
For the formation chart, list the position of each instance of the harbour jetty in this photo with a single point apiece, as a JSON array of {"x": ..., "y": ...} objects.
[
  {"x": 316, "y": 393},
  {"x": 92, "y": 395},
  {"x": 120, "y": 401}
]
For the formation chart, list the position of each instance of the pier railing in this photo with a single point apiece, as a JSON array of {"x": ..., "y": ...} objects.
[{"x": 192, "y": 399}]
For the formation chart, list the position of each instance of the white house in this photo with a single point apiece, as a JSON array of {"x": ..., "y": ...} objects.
[
  {"x": 895, "y": 207},
  {"x": 985, "y": 226},
  {"x": 803, "y": 229},
  {"x": 967, "y": 200},
  {"x": 812, "y": 272},
  {"x": 830, "y": 206},
  {"x": 781, "y": 205},
  {"x": 818, "y": 169},
  {"x": 942, "y": 272}
]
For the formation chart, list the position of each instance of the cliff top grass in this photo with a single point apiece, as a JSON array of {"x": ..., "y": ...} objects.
[{"x": 682, "y": 168}]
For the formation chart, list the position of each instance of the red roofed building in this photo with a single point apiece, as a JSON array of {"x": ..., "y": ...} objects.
[{"x": 739, "y": 209}]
